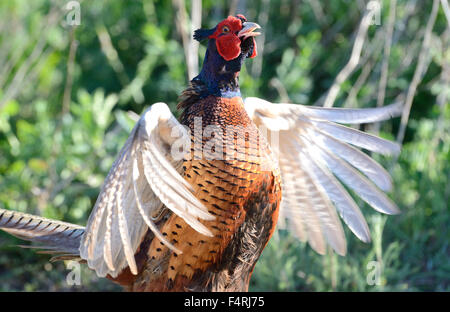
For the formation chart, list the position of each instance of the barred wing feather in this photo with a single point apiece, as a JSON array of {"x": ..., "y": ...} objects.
[
  {"x": 315, "y": 155},
  {"x": 143, "y": 180}
]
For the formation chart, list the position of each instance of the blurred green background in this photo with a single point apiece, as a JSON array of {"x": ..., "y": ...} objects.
[{"x": 66, "y": 94}]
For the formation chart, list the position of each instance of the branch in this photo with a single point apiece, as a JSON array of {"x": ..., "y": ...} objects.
[
  {"x": 352, "y": 63},
  {"x": 318, "y": 12},
  {"x": 196, "y": 23},
  {"x": 441, "y": 132},
  {"x": 263, "y": 18},
  {"x": 352, "y": 95},
  {"x": 444, "y": 97},
  {"x": 111, "y": 54},
  {"x": 233, "y": 7},
  {"x": 278, "y": 85},
  {"x": 70, "y": 67},
  {"x": 21, "y": 74},
  {"x": 190, "y": 46},
  {"x": 386, "y": 56},
  {"x": 419, "y": 72},
  {"x": 446, "y": 9}
]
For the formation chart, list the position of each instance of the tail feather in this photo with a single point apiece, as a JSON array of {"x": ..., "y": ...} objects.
[{"x": 55, "y": 236}]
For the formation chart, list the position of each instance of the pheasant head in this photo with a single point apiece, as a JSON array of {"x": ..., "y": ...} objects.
[{"x": 229, "y": 44}]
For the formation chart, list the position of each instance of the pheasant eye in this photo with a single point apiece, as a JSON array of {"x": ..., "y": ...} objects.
[{"x": 225, "y": 29}]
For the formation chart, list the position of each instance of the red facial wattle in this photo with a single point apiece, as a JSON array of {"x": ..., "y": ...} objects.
[
  {"x": 255, "y": 52},
  {"x": 228, "y": 46}
]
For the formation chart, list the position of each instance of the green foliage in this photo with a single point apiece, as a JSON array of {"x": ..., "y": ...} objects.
[{"x": 60, "y": 136}]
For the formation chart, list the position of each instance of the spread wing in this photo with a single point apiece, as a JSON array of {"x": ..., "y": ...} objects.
[
  {"x": 315, "y": 155},
  {"x": 144, "y": 179}
]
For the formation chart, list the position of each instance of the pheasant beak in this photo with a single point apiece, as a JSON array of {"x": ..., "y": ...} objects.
[{"x": 248, "y": 29}]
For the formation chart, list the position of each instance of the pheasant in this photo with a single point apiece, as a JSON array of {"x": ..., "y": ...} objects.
[{"x": 190, "y": 204}]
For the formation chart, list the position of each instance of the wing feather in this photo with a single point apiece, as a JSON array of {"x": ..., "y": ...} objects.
[
  {"x": 353, "y": 179},
  {"x": 329, "y": 222},
  {"x": 376, "y": 173},
  {"x": 339, "y": 115},
  {"x": 311, "y": 214},
  {"x": 345, "y": 204},
  {"x": 313, "y": 152},
  {"x": 145, "y": 216},
  {"x": 349, "y": 211},
  {"x": 357, "y": 138},
  {"x": 107, "y": 253},
  {"x": 124, "y": 234},
  {"x": 144, "y": 180},
  {"x": 179, "y": 204},
  {"x": 305, "y": 215}
]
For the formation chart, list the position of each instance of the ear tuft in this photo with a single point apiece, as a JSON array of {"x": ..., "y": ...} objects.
[
  {"x": 242, "y": 18},
  {"x": 201, "y": 34}
]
